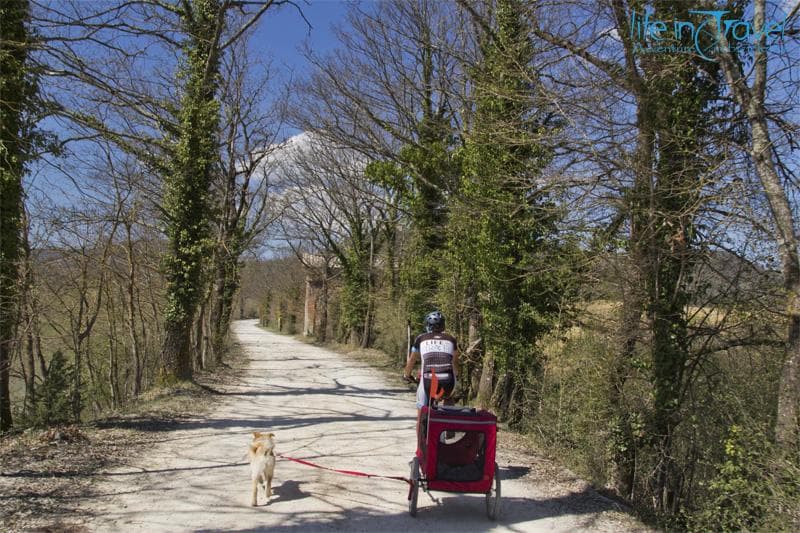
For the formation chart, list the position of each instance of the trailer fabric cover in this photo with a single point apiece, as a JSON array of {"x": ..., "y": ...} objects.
[{"x": 460, "y": 463}]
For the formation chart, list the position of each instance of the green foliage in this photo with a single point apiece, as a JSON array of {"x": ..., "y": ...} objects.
[
  {"x": 390, "y": 330},
  {"x": 186, "y": 188},
  {"x": 753, "y": 489},
  {"x": 54, "y": 401},
  {"x": 355, "y": 293},
  {"x": 419, "y": 278},
  {"x": 17, "y": 93},
  {"x": 390, "y": 175},
  {"x": 572, "y": 419},
  {"x": 732, "y": 476},
  {"x": 423, "y": 176},
  {"x": 502, "y": 237}
]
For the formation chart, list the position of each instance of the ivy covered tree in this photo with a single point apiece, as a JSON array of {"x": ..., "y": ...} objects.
[
  {"x": 423, "y": 179},
  {"x": 17, "y": 93},
  {"x": 502, "y": 232},
  {"x": 677, "y": 103},
  {"x": 432, "y": 171},
  {"x": 186, "y": 186}
]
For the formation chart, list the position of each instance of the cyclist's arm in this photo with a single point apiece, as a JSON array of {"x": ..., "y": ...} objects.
[{"x": 411, "y": 360}]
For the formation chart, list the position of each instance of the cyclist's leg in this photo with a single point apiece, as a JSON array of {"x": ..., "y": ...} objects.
[{"x": 422, "y": 400}]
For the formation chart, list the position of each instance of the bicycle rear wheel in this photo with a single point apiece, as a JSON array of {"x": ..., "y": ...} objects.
[
  {"x": 413, "y": 491},
  {"x": 493, "y": 496}
]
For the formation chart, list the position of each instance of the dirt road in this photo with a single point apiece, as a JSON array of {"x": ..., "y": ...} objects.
[{"x": 335, "y": 412}]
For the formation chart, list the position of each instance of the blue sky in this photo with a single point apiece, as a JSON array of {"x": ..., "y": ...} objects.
[{"x": 281, "y": 33}]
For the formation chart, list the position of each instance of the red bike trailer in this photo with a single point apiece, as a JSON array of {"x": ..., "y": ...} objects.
[{"x": 456, "y": 453}]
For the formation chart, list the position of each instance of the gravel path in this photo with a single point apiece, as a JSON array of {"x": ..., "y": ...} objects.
[{"x": 332, "y": 411}]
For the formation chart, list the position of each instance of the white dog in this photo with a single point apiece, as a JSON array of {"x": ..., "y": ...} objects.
[{"x": 262, "y": 463}]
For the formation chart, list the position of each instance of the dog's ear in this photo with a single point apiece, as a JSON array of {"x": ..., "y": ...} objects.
[
  {"x": 256, "y": 435},
  {"x": 270, "y": 435}
]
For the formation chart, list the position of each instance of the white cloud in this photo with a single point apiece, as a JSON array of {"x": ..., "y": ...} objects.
[
  {"x": 788, "y": 5},
  {"x": 611, "y": 32}
]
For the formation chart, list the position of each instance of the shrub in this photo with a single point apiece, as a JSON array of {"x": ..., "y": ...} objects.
[
  {"x": 754, "y": 488},
  {"x": 54, "y": 402}
]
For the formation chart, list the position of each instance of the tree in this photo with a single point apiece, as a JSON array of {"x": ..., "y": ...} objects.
[
  {"x": 186, "y": 186},
  {"x": 242, "y": 187},
  {"x": 17, "y": 93},
  {"x": 398, "y": 110},
  {"x": 331, "y": 211},
  {"x": 678, "y": 100},
  {"x": 504, "y": 225},
  {"x": 751, "y": 100}
]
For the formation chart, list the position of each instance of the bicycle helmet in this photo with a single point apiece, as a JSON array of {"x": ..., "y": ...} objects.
[{"x": 434, "y": 321}]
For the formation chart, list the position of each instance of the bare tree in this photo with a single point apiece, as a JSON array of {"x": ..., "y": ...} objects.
[
  {"x": 749, "y": 90},
  {"x": 391, "y": 92},
  {"x": 244, "y": 209},
  {"x": 330, "y": 210}
]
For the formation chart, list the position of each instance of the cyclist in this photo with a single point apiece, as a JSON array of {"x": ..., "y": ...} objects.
[{"x": 439, "y": 353}]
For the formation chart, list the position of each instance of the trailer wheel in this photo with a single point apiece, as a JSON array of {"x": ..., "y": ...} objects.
[
  {"x": 413, "y": 491},
  {"x": 493, "y": 496}
]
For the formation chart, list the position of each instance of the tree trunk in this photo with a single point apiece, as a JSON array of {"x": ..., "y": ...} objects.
[
  {"x": 13, "y": 101},
  {"x": 226, "y": 282},
  {"x": 225, "y": 296},
  {"x": 623, "y": 453},
  {"x": 786, "y": 423},
  {"x": 186, "y": 188},
  {"x": 199, "y": 324},
  {"x": 487, "y": 380},
  {"x": 636, "y": 207},
  {"x": 231, "y": 284},
  {"x": 30, "y": 386},
  {"x": 176, "y": 352},
  {"x": 309, "y": 307},
  {"x": 752, "y": 101},
  {"x": 113, "y": 371},
  {"x": 473, "y": 340},
  {"x": 113, "y": 355},
  {"x": 501, "y": 395},
  {"x": 131, "y": 296},
  {"x": 368, "y": 314},
  {"x": 322, "y": 308},
  {"x": 29, "y": 322},
  {"x": 5, "y": 367},
  {"x": 76, "y": 384}
]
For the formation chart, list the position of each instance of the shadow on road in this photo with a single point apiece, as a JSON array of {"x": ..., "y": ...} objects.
[
  {"x": 277, "y": 422},
  {"x": 463, "y": 513},
  {"x": 288, "y": 491}
]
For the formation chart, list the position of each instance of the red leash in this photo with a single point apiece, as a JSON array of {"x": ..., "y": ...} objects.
[{"x": 346, "y": 472}]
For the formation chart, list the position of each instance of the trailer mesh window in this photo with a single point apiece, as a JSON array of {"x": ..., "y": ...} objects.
[{"x": 460, "y": 455}]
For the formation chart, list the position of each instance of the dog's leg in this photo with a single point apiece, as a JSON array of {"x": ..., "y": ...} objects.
[
  {"x": 254, "y": 497},
  {"x": 269, "y": 486}
]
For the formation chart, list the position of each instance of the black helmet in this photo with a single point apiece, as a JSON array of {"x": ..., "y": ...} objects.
[{"x": 434, "y": 322}]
